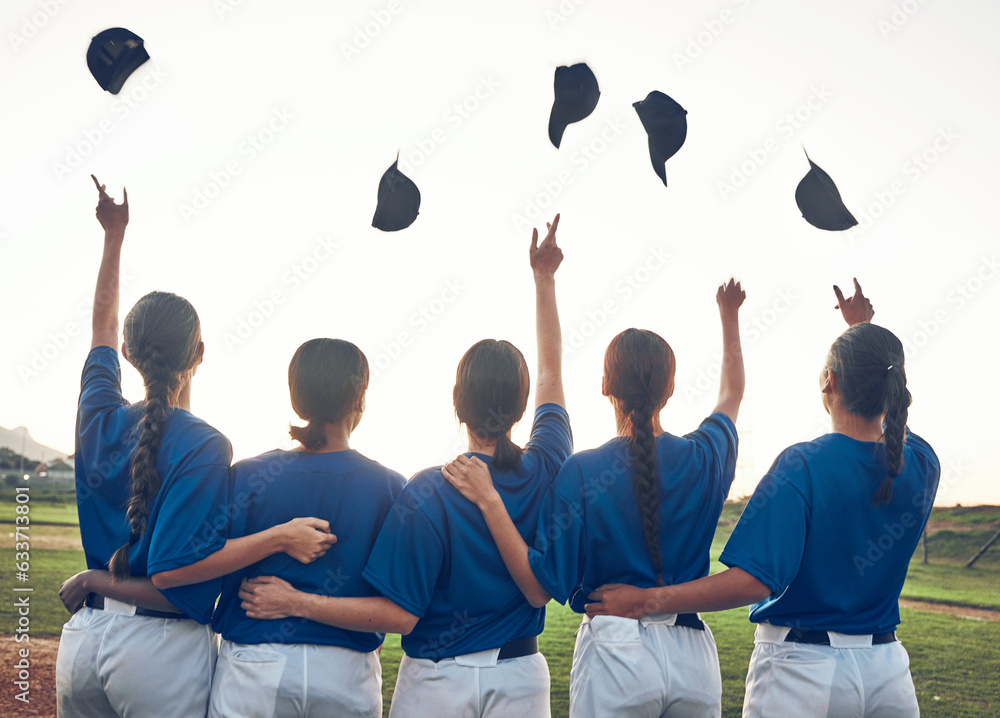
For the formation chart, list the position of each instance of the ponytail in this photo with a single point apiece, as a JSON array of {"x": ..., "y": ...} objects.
[
  {"x": 162, "y": 341},
  {"x": 327, "y": 380},
  {"x": 146, "y": 481},
  {"x": 507, "y": 454},
  {"x": 638, "y": 375},
  {"x": 312, "y": 436},
  {"x": 897, "y": 401},
  {"x": 868, "y": 362},
  {"x": 642, "y": 450},
  {"x": 491, "y": 394}
]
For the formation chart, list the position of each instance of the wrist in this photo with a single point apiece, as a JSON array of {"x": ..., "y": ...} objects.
[
  {"x": 114, "y": 235},
  {"x": 544, "y": 278},
  {"x": 304, "y": 605},
  {"x": 277, "y": 538},
  {"x": 490, "y": 502}
]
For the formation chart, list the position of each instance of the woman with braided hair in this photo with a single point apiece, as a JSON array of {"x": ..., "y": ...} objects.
[
  {"x": 823, "y": 546},
  {"x": 643, "y": 506},
  {"x": 152, "y": 494}
]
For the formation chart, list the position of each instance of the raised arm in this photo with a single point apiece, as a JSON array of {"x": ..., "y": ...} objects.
[
  {"x": 114, "y": 218},
  {"x": 856, "y": 309},
  {"x": 137, "y": 591},
  {"x": 472, "y": 478},
  {"x": 304, "y": 539},
  {"x": 733, "y": 380},
  {"x": 269, "y": 597},
  {"x": 731, "y": 588},
  {"x": 545, "y": 260}
]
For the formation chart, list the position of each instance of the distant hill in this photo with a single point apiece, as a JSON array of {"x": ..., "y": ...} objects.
[{"x": 14, "y": 439}]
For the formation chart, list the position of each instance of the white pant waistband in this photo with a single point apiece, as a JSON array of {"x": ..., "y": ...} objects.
[{"x": 768, "y": 633}]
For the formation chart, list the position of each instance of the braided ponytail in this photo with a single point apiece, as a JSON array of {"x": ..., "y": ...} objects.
[
  {"x": 642, "y": 451},
  {"x": 868, "y": 361},
  {"x": 897, "y": 402},
  {"x": 638, "y": 375},
  {"x": 145, "y": 478},
  {"x": 162, "y": 339}
]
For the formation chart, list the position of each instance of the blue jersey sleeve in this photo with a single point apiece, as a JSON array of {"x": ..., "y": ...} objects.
[
  {"x": 717, "y": 434},
  {"x": 769, "y": 539},
  {"x": 557, "y": 558},
  {"x": 391, "y": 570},
  {"x": 101, "y": 383},
  {"x": 192, "y": 511},
  {"x": 551, "y": 437}
]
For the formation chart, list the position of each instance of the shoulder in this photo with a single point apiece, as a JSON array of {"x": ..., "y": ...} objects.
[
  {"x": 195, "y": 441},
  {"x": 393, "y": 479},
  {"x": 103, "y": 356},
  {"x": 714, "y": 427},
  {"x": 921, "y": 448}
]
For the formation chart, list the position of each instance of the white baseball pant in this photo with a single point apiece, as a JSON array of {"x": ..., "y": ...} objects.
[
  {"x": 849, "y": 678},
  {"x": 646, "y": 668},
  {"x": 114, "y": 664},
  {"x": 295, "y": 680}
]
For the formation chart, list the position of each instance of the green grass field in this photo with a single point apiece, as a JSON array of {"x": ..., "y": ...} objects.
[{"x": 954, "y": 661}]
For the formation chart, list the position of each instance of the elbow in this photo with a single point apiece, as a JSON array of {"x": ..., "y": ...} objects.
[
  {"x": 165, "y": 579},
  {"x": 754, "y": 590},
  {"x": 538, "y": 600},
  {"x": 405, "y": 625}
]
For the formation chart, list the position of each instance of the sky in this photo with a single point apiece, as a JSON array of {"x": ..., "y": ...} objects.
[{"x": 253, "y": 140}]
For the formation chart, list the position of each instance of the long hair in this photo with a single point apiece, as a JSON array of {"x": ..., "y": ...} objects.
[
  {"x": 868, "y": 362},
  {"x": 638, "y": 374},
  {"x": 491, "y": 394},
  {"x": 327, "y": 380},
  {"x": 162, "y": 339}
]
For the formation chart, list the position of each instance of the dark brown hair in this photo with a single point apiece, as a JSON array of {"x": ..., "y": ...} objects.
[
  {"x": 491, "y": 394},
  {"x": 638, "y": 374},
  {"x": 162, "y": 339},
  {"x": 327, "y": 379},
  {"x": 868, "y": 362}
]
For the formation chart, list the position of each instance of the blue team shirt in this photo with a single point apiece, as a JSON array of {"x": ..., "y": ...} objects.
[
  {"x": 811, "y": 533},
  {"x": 590, "y": 528},
  {"x": 193, "y": 462},
  {"x": 350, "y": 491},
  {"x": 435, "y": 556}
]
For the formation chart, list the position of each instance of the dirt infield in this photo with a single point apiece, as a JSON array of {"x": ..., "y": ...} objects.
[
  {"x": 980, "y": 614},
  {"x": 42, "y": 680}
]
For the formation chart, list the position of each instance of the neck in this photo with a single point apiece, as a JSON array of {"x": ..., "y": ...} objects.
[
  {"x": 852, "y": 425},
  {"x": 624, "y": 426},
  {"x": 183, "y": 398},
  {"x": 482, "y": 446},
  {"x": 338, "y": 437}
]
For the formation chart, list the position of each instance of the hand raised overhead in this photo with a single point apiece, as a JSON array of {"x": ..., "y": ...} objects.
[
  {"x": 113, "y": 217},
  {"x": 856, "y": 309},
  {"x": 545, "y": 257},
  {"x": 730, "y": 297}
]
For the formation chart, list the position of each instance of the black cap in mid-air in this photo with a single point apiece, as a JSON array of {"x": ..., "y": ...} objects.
[
  {"x": 398, "y": 201},
  {"x": 113, "y": 55},
  {"x": 819, "y": 201},
  {"x": 576, "y": 97},
  {"x": 665, "y": 121}
]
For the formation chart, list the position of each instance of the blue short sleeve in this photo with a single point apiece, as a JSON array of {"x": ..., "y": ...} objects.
[
  {"x": 770, "y": 537},
  {"x": 408, "y": 556},
  {"x": 101, "y": 383},
  {"x": 717, "y": 434},
  {"x": 557, "y": 558},
  {"x": 197, "y": 497},
  {"x": 551, "y": 437}
]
